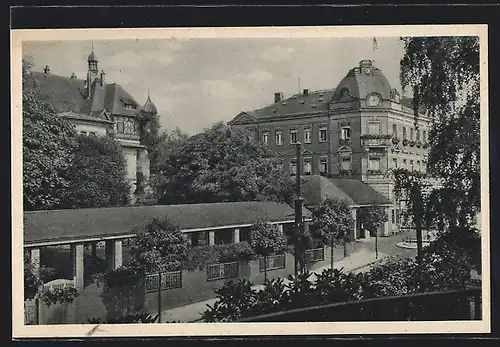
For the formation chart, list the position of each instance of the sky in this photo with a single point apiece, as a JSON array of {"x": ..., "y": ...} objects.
[{"x": 196, "y": 82}]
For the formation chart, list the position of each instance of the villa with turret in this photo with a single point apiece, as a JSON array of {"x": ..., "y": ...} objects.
[{"x": 97, "y": 107}]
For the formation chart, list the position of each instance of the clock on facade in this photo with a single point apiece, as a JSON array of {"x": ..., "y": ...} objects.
[{"x": 373, "y": 100}]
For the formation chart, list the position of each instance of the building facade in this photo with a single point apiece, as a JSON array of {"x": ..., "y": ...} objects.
[
  {"x": 96, "y": 107},
  {"x": 359, "y": 130}
]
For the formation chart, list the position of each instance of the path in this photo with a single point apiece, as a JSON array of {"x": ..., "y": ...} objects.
[{"x": 359, "y": 260}]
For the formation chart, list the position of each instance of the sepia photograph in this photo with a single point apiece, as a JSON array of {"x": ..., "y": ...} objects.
[{"x": 330, "y": 177}]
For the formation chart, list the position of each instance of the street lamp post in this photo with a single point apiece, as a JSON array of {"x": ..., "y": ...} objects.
[{"x": 298, "y": 211}]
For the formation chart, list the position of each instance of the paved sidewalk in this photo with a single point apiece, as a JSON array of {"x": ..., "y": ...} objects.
[{"x": 357, "y": 261}]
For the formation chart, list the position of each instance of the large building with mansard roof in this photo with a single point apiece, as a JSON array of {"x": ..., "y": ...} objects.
[
  {"x": 357, "y": 131},
  {"x": 98, "y": 107}
]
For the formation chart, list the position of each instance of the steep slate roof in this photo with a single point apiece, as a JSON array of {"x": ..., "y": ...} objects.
[
  {"x": 317, "y": 188},
  {"x": 68, "y": 94},
  {"x": 82, "y": 116},
  {"x": 315, "y": 101},
  {"x": 81, "y": 224}
]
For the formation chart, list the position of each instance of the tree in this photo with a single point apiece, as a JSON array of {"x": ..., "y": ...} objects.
[
  {"x": 160, "y": 246},
  {"x": 332, "y": 222},
  {"x": 224, "y": 164},
  {"x": 266, "y": 239},
  {"x": 48, "y": 141},
  {"x": 97, "y": 175},
  {"x": 443, "y": 74},
  {"x": 169, "y": 143},
  {"x": 373, "y": 218}
]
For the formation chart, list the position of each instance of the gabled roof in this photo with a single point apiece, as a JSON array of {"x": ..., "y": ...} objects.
[
  {"x": 64, "y": 93},
  {"x": 317, "y": 188},
  {"x": 91, "y": 223},
  {"x": 68, "y": 94},
  {"x": 84, "y": 117},
  {"x": 315, "y": 101}
]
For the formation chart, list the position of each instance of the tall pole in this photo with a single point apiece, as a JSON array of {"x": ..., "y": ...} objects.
[
  {"x": 159, "y": 296},
  {"x": 298, "y": 210}
]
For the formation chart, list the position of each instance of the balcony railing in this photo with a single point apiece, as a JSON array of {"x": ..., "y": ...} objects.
[
  {"x": 376, "y": 140},
  {"x": 434, "y": 306}
]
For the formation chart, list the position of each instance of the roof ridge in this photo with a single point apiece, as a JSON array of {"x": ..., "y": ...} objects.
[{"x": 158, "y": 206}]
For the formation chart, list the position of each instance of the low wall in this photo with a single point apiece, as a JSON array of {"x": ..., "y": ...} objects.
[{"x": 195, "y": 288}]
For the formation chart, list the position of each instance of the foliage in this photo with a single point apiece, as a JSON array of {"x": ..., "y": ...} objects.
[
  {"x": 201, "y": 256},
  {"x": 123, "y": 291},
  {"x": 160, "y": 246},
  {"x": 372, "y": 218},
  {"x": 443, "y": 74},
  {"x": 332, "y": 222},
  {"x": 224, "y": 164},
  {"x": 59, "y": 295},
  {"x": 376, "y": 136},
  {"x": 32, "y": 282},
  {"x": 97, "y": 175},
  {"x": 47, "y": 148},
  {"x": 266, "y": 239},
  {"x": 444, "y": 268},
  {"x": 140, "y": 317}
]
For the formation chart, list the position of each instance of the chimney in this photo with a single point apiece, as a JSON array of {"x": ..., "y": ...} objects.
[
  {"x": 278, "y": 97},
  {"x": 306, "y": 92},
  {"x": 102, "y": 77},
  {"x": 73, "y": 76},
  {"x": 46, "y": 69}
]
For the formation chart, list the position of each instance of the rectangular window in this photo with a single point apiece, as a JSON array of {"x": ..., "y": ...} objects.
[
  {"x": 307, "y": 135},
  {"x": 395, "y": 163},
  {"x": 394, "y": 130},
  {"x": 345, "y": 133},
  {"x": 345, "y": 163},
  {"x": 418, "y": 135},
  {"x": 279, "y": 137},
  {"x": 265, "y": 137},
  {"x": 322, "y": 134},
  {"x": 307, "y": 166},
  {"x": 411, "y": 165},
  {"x": 418, "y": 165},
  {"x": 293, "y": 136},
  {"x": 393, "y": 215},
  {"x": 374, "y": 164},
  {"x": 293, "y": 167},
  {"x": 411, "y": 134},
  {"x": 424, "y": 136},
  {"x": 374, "y": 128},
  {"x": 404, "y": 133},
  {"x": 120, "y": 126},
  {"x": 405, "y": 164},
  {"x": 323, "y": 165}
]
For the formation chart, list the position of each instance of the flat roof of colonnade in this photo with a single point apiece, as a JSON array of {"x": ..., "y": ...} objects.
[{"x": 58, "y": 227}]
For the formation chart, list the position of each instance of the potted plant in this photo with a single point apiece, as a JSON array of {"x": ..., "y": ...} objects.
[
  {"x": 405, "y": 142},
  {"x": 395, "y": 140},
  {"x": 412, "y": 143},
  {"x": 419, "y": 144}
]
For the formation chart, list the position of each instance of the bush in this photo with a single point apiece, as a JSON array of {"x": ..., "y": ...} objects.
[
  {"x": 128, "y": 318},
  {"x": 123, "y": 292},
  {"x": 441, "y": 270},
  {"x": 199, "y": 257}
]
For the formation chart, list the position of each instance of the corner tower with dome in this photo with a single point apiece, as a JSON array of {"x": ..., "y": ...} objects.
[
  {"x": 96, "y": 106},
  {"x": 351, "y": 137}
]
